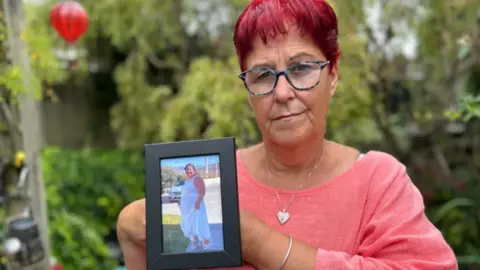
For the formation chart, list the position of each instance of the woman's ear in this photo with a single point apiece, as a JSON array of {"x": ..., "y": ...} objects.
[{"x": 333, "y": 79}]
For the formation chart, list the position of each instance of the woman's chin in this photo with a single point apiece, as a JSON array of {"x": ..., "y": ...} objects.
[{"x": 290, "y": 138}]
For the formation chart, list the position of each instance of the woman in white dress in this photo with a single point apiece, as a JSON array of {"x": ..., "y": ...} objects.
[{"x": 194, "y": 222}]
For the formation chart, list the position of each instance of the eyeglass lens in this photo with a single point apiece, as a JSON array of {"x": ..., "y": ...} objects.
[{"x": 301, "y": 76}]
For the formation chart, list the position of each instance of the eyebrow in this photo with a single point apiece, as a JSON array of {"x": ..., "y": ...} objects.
[
  {"x": 300, "y": 55},
  {"x": 263, "y": 65},
  {"x": 290, "y": 59}
]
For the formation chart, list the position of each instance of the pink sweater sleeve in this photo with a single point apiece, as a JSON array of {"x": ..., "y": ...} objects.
[{"x": 395, "y": 234}]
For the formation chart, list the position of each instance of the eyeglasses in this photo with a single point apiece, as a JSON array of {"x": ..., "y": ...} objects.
[{"x": 301, "y": 76}]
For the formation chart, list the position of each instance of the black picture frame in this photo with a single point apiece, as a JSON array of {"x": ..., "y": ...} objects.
[{"x": 231, "y": 255}]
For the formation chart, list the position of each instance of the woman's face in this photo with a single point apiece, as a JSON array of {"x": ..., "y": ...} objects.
[
  {"x": 189, "y": 171},
  {"x": 287, "y": 116}
]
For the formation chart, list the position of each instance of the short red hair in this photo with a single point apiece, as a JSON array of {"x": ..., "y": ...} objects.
[{"x": 268, "y": 18}]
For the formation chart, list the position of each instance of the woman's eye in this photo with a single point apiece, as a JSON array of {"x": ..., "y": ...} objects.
[
  {"x": 260, "y": 75},
  {"x": 302, "y": 68},
  {"x": 263, "y": 75}
]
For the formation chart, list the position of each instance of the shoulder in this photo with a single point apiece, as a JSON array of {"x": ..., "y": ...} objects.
[
  {"x": 383, "y": 164},
  {"x": 197, "y": 180},
  {"x": 386, "y": 176}
]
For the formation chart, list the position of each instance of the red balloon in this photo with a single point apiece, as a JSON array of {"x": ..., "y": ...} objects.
[{"x": 70, "y": 20}]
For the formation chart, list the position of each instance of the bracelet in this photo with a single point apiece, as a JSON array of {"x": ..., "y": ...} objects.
[{"x": 287, "y": 254}]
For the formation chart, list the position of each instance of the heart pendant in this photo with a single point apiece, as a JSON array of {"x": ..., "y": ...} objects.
[{"x": 283, "y": 217}]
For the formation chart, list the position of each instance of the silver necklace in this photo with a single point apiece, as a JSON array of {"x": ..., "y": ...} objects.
[{"x": 283, "y": 215}]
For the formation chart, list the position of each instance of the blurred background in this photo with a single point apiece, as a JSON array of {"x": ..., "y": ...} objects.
[{"x": 153, "y": 71}]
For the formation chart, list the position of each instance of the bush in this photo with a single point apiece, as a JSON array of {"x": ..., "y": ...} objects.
[
  {"x": 85, "y": 191},
  {"x": 456, "y": 212}
]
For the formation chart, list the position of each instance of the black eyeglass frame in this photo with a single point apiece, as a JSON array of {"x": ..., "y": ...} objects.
[{"x": 242, "y": 76}]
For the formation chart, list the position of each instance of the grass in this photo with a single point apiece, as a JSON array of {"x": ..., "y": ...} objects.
[
  {"x": 171, "y": 219},
  {"x": 173, "y": 239}
]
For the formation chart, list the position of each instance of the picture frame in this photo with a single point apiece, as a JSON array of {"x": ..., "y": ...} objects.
[{"x": 177, "y": 236}]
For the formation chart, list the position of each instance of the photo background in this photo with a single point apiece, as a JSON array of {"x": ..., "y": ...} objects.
[{"x": 208, "y": 168}]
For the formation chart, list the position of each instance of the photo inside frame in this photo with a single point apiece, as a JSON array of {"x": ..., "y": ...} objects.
[{"x": 191, "y": 204}]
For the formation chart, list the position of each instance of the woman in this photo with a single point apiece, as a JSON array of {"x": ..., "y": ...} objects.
[
  {"x": 324, "y": 205},
  {"x": 193, "y": 210}
]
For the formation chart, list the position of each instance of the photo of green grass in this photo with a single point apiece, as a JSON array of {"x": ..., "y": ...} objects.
[{"x": 174, "y": 241}]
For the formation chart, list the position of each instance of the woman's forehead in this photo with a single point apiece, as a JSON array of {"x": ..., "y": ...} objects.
[{"x": 288, "y": 47}]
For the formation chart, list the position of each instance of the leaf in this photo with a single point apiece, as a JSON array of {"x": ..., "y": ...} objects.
[
  {"x": 85, "y": 192},
  {"x": 455, "y": 203}
]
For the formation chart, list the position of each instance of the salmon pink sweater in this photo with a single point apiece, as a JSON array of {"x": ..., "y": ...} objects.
[{"x": 370, "y": 217}]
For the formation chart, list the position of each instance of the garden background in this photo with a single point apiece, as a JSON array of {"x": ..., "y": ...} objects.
[{"x": 154, "y": 71}]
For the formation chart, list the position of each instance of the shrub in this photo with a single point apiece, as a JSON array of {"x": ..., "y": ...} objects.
[{"x": 86, "y": 191}]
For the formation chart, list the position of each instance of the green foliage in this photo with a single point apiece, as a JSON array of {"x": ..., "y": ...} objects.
[
  {"x": 9, "y": 75},
  {"x": 169, "y": 176},
  {"x": 456, "y": 212},
  {"x": 459, "y": 217},
  {"x": 468, "y": 109},
  {"x": 454, "y": 26},
  {"x": 350, "y": 118},
  {"x": 178, "y": 82},
  {"x": 212, "y": 103},
  {"x": 85, "y": 191},
  {"x": 45, "y": 68},
  {"x": 150, "y": 111},
  {"x": 139, "y": 115},
  {"x": 152, "y": 35},
  {"x": 11, "y": 80}
]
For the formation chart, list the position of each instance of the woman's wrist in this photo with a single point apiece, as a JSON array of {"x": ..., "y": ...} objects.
[
  {"x": 257, "y": 240},
  {"x": 276, "y": 248},
  {"x": 259, "y": 248}
]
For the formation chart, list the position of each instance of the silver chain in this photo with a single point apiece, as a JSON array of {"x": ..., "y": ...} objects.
[{"x": 300, "y": 187}]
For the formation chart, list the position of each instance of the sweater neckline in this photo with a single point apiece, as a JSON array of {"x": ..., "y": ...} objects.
[{"x": 357, "y": 166}]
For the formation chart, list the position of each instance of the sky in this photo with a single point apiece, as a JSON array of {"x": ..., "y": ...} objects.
[{"x": 197, "y": 161}]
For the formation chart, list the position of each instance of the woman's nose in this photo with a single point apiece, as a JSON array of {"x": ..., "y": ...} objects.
[{"x": 283, "y": 91}]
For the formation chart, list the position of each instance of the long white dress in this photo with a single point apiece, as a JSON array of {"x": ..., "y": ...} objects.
[{"x": 194, "y": 221}]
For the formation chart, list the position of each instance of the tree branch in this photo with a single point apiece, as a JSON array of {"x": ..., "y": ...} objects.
[
  {"x": 12, "y": 128},
  {"x": 459, "y": 67},
  {"x": 152, "y": 58},
  {"x": 442, "y": 161},
  {"x": 157, "y": 62},
  {"x": 179, "y": 10},
  {"x": 465, "y": 66}
]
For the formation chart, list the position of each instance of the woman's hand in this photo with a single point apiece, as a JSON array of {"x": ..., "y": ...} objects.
[
  {"x": 197, "y": 204},
  {"x": 132, "y": 235}
]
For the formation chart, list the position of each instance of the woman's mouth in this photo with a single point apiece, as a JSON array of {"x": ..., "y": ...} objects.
[{"x": 287, "y": 116}]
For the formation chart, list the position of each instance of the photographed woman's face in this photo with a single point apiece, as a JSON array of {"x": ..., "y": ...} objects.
[
  {"x": 190, "y": 171},
  {"x": 288, "y": 116}
]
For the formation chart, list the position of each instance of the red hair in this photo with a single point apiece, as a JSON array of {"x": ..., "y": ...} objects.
[{"x": 268, "y": 18}]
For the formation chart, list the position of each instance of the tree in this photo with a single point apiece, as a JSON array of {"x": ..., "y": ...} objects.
[
  {"x": 140, "y": 119},
  {"x": 169, "y": 176},
  {"x": 176, "y": 78},
  {"x": 432, "y": 80},
  {"x": 46, "y": 71},
  {"x": 440, "y": 152},
  {"x": 212, "y": 101},
  {"x": 46, "y": 67}
]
